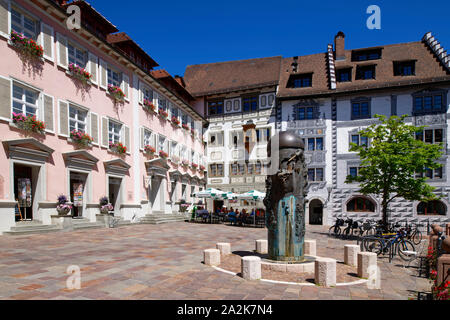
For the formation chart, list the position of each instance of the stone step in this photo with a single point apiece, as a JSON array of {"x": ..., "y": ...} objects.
[
  {"x": 88, "y": 225},
  {"x": 22, "y": 228},
  {"x": 20, "y": 231}
]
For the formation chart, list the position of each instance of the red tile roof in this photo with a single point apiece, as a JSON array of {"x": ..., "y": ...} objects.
[{"x": 213, "y": 78}]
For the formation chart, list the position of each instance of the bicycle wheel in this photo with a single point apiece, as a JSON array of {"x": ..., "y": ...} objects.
[
  {"x": 373, "y": 245},
  {"x": 417, "y": 237},
  {"x": 406, "y": 250},
  {"x": 331, "y": 231}
]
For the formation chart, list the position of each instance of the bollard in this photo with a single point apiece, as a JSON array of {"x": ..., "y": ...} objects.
[
  {"x": 310, "y": 247},
  {"x": 325, "y": 272},
  {"x": 366, "y": 260},
  {"x": 351, "y": 254},
  {"x": 224, "y": 248},
  {"x": 211, "y": 257},
  {"x": 251, "y": 268},
  {"x": 262, "y": 246}
]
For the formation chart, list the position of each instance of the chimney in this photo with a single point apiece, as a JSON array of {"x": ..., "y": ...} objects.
[{"x": 339, "y": 45}]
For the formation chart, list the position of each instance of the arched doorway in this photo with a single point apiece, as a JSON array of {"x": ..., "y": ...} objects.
[{"x": 316, "y": 212}]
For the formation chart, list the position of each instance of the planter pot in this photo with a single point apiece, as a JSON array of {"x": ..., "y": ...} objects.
[{"x": 62, "y": 212}]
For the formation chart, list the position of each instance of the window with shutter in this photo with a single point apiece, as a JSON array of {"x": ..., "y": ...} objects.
[
  {"x": 77, "y": 55},
  {"x": 94, "y": 128},
  {"x": 92, "y": 67},
  {"x": 46, "y": 40},
  {"x": 48, "y": 114},
  {"x": 23, "y": 23},
  {"x": 25, "y": 101},
  {"x": 63, "y": 119},
  {"x": 62, "y": 50}
]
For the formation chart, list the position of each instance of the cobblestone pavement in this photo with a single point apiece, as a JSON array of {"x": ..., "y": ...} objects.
[{"x": 165, "y": 262}]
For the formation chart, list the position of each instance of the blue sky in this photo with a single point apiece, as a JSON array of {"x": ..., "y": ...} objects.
[{"x": 179, "y": 33}]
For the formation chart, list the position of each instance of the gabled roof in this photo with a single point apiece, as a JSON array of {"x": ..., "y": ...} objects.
[
  {"x": 428, "y": 69},
  {"x": 221, "y": 77}
]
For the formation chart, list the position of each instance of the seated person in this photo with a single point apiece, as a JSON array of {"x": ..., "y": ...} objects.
[{"x": 232, "y": 216}]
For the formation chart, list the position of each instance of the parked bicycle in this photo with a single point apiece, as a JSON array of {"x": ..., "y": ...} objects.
[
  {"x": 352, "y": 229},
  {"x": 414, "y": 234},
  {"x": 335, "y": 230},
  {"x": 390, "y": 244}
]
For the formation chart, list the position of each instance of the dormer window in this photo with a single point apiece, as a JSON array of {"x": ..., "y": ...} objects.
[
  {"x": 365, "y": 55},
  {"x": 344, "y": 75},
  {"x": 300, "y": 81},
  {"x": 404, "y": 68},
  {"x": 365, "y": 72}
]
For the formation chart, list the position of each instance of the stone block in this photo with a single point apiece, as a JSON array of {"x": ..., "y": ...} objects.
[
  {"x": 366, "y": 261},
  {"x": 262, "y": 246},
  {"x": 224, "y": 248},
  {"x": 211, "y": 257},
  {"x": 325, "y": 272},
  {"x": 251, "y": 268},
  {"x": 443, "y": 268},
  {"x": 310, "y": 247},
  {"x": 351, "y": 254}
]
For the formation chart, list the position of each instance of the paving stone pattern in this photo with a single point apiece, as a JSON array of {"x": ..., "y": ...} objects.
[{"x": 165, "y": 262}]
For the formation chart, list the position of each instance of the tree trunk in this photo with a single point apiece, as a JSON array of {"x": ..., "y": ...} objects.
[{"x": 385, "y": 217}]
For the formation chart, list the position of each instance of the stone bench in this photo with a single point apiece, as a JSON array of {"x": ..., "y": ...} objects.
[
  {"x": 325, "y": 272},
  {"x": 262, "y": 246},
  {"x": 351, "y": 254},
  {"x": 366, "y": 261},
  {"x": 211, "y": 257},
  {"x": 251, "y": 268}
]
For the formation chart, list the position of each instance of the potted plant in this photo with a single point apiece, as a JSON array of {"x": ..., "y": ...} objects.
[
  {"x": 194, "y": 166},
  {"x": 175, "y": 120},
  {"x": 79, "y": 73},
  {"x": 116, "y": 93},
  {"x": 29, "y": 123},
  {"x": 149, "y": 106},
  {"x": 81, "y": 138},
  {"x": 63, "y": 208},
  {"x": 26, "y": 45},
  {"x": 185, "y": 163},
  {"x": 162, "y": 113},
  {"x": 163, "y": 154},
  {"x": 118, "y": 148},
  {"x": 105, "y": 206},
  {"x": 149, "y": 150}
]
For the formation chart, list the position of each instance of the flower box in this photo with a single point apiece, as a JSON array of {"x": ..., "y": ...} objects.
[
  {"x": 194, "y": 166},
  {"x": 185, "y": 163},
  {"x": 185, "y": 126},
  {"x": 81, "y": 138},
  {"x": 118, "y": 148},
  {"x": 163, "y": 113},
  {"x": 175, "y": 121},
  {"x": 26, "y": 45},
  {"x": 202, "y": 168},
  {"x": 149, "y": 106},
  {"x": 28, "y": 123},
  {"x": 149, "y": 150},
  {"x": 80, "y": 73},
  {"x": 116, "y": 93},
  {"x": 163, "y": 155}
]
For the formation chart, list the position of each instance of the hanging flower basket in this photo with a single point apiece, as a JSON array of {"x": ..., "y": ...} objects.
[
  {"x": 175, "y": 121},
  {"x": 149, "y": 106},
  {"x": 28, "y": 123},
  {"x": 163, "y": 154},
  {"x": 81, "y": 138},
  {"x": 80, "y": 73},
  {"x": 116, "y": 93},
  {"x": 149, "y": 150},
  {"x": 162, "y": 113},
  {"x": 118, "y": 148},
  {"x": 26, "y": 45}
]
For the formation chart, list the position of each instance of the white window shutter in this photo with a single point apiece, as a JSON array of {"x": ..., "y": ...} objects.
[
  {"x": 103, "y": 74},
  {"x": 141, "y": 92},
  {"x": 48, "y": 113},
  {"x": 155, "y": 99},
  {"x": 141, "y": 138},
  {"x": 105, "y": 133},
  {"x": 46, "y": 40},
  {"x": 62, "y": 51},
  {"x": 5, "y": 9},
  {"x": 93, "y": 67},
  {"x": 94, "y": 128},
  {"x": 5, "y": 99},
  {"x": 126, "y": 86},
  {"x": 63, "y": 119},
  {"x": 127, "y": 138}
]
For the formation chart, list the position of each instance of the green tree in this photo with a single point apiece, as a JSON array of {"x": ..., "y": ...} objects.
[{"x": 389, "y": 165}]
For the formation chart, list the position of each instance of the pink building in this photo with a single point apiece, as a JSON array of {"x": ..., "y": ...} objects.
[{"x": 147, "y": 178}]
